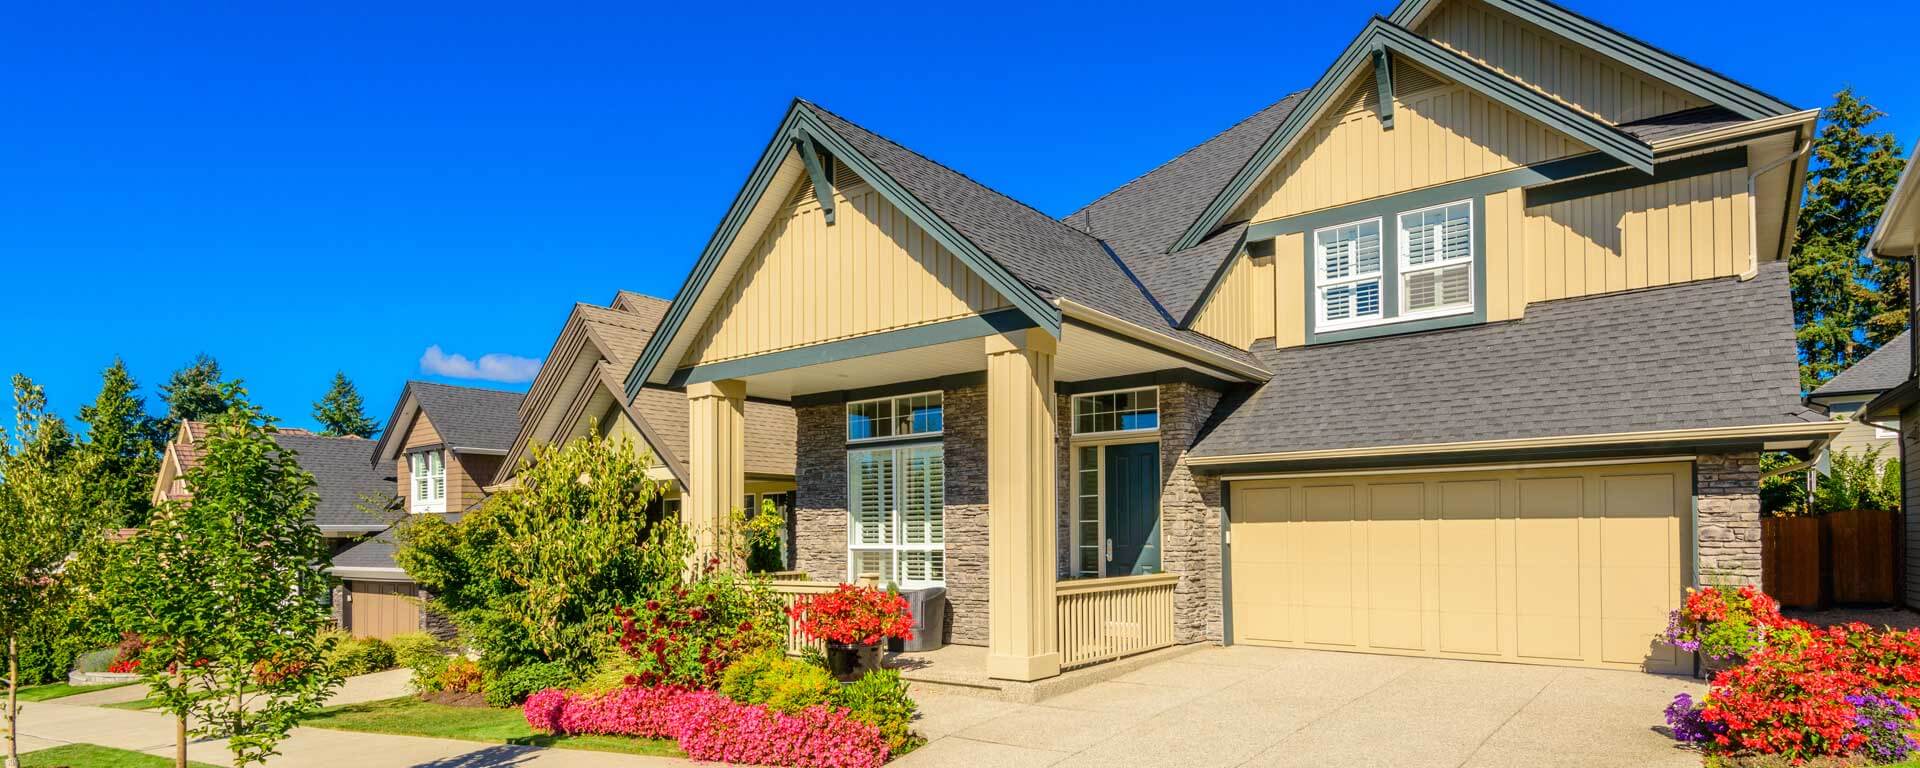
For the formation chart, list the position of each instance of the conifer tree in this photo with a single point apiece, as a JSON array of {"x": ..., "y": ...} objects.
[
  {"x": 193, "y": 393},
  {"x": 341, "y": 412},
  {"x": 123, "y": 445}
]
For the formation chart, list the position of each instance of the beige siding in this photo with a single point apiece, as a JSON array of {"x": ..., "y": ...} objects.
[
  {"x": 382, "y": 609},
  {"x": 466, "y": 474},
  {"x": 1570, "y": 73},
  {"x": 1690, "y": 229},
  {"x": 806, "y": 282},
  {"x": 1240, "y": 309},
  {"x": 1439, "y": 135}
]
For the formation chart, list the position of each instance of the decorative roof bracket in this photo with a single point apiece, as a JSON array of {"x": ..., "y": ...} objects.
[
  {"x": 1383, "y": 79},
  {"x": 810, "y": 153}
]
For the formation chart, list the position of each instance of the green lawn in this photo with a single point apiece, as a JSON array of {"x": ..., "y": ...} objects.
[
  {"x": 90, "y": 756},
  {"x": 147, "y": 703},
  {"x": 57, "y": 690},
  {"x": 412, "y": 717}
]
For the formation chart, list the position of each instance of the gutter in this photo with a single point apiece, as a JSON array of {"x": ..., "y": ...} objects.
[
  {"x": 1106, "y": 322},
  {"x": 1738, "y": 130},
  {"x": 1819, "y": 430},
  {"x": 1753, "y": 207}
]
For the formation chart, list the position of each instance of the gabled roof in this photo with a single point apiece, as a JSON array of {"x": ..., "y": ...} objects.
[
  {"x": 1381, "y": 36},
  {"x": 1651, "y": 360},
  {"x": 1882, "y": 370},
  {"x": 351, "y": 491},
  {"x": 469, "y": 419}
]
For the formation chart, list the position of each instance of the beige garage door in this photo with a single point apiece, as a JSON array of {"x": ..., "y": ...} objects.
[
  {"x": 382, "y": 608},
  {"x": 1575, "y": 566}
]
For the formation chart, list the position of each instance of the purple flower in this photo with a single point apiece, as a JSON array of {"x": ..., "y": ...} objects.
[
  {"x": 1685, "y": 721},
  {"x": 1883, "y": 722}
]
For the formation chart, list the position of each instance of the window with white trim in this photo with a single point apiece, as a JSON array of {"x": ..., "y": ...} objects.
[
  {"x": 427, "y": 475},
  {"x": 1124, "y": 411},
  {"x": 896, "y": 514},
  {"x": 888, "y": 417},
  {"x": 1436, "y": 260},
  {"x": 1347, "y": 274}
]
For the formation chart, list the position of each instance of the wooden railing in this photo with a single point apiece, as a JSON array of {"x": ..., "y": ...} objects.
[
  {"x": 789, "y": 591},
  {"x": 1102, "y": 619},
  {"x": 786, "y": 575}
]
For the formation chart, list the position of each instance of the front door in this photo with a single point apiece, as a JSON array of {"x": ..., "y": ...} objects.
[{"x": 1133, "y": 509}]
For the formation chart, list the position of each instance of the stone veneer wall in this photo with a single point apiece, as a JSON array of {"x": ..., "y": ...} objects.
[
  {"x": 821, "y": 504},
  {"x": 1190, "y": 510},
  {"x": 1727, "y": 493}
]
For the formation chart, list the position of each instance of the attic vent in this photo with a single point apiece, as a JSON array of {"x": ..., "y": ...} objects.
[
  {"x": 1407, "y": 79},
  {"x": 1366, "y": 95},
  {"x": 843, "y": 175},
  {"x": 838, "y": 174}
]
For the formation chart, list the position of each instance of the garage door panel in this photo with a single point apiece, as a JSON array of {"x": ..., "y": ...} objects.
[
  {"x": 1637, "y": 554},
  {"x": 1469, "y": 539},
  {"x": 1326, "y": 564},
  {"x": 1547, "y": 567},
  {"x": 1262, "y": 593},
  {"x": 1395, "y": 615}
]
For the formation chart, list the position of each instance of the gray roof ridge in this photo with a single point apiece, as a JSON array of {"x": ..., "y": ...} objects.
[
  {"x": 954, "y": 171},
  {"x": 1176, "y": 158}
]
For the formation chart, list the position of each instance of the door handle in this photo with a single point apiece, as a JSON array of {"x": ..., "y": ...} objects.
[{"x": 1108, "y": 553}]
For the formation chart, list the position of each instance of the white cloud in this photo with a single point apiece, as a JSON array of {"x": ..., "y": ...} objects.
[{"x": 494, "y": 366}]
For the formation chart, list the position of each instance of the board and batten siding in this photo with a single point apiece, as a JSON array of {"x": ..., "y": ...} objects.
[
  {"x": 808, "y": 282},
  {"x": 1570, "y": 73},
  {"x": 465, "y": 474},
  {"x": 1441, "y": 134},
  {"x": 1241, "y": 308}
]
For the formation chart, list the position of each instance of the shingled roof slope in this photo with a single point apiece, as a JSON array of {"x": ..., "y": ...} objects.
[
  {"x": 1882, "y": 370},
  {"x": 353, "y": 490},
  {"x": 1654, "y": 359},
  {"x": 470, "y": 417}
]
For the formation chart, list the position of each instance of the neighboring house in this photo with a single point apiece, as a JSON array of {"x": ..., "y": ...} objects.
[
  {"x": 1468, "y": 350},
  {"x": 442, "y": 444},
  {"x": 579, "y": 390},
  {"x": 354, "y": 496},
  {"x": 1843, "y": 396},
  {"x": 1897, "y": 236}
]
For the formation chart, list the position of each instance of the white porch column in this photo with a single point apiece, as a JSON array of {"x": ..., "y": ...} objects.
[
  {"x": 716, "y": 464},
  {"x": 1022, "y": 642}
]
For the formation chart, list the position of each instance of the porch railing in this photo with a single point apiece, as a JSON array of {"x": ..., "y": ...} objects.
[
  {"x": 1102, "y": 619},
  {"x": 790, "y": 590}
]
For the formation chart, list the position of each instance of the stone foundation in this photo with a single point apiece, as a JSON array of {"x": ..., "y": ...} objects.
[{"x": 1727, "y": 534}]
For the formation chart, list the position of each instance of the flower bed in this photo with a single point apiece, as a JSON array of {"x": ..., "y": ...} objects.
[
  {"x": 1798, "y": 692},
  {"x": 709, "y": 726}
]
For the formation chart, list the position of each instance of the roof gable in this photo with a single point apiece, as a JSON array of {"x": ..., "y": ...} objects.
[{"x": 468, "y": 419}]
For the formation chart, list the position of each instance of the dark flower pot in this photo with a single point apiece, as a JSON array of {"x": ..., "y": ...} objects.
[{"x": 851, "y": 662}]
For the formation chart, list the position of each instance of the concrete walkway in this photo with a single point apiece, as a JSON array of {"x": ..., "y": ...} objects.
[{"x": 1246, "y": 706}]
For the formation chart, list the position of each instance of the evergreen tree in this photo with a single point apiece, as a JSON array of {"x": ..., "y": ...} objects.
[
  {"x": 341, "y": 411},
  {"x": 1846, "y": 304},
  {"x": 193, "y": 393},
  {"x": 123, "y": 447}
]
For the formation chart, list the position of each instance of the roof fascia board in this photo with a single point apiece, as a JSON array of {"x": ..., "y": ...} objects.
[
  {"x": 970, "y": 327},
  {"x": 400, "y": 420},
  {"x": 1704, "y": 83},
  {"x": 1382, "y": 35},
  {"x": 1811, "y": 429},
  {"x": 800, "y": 121},
  {"x": 1904, "y": 197},
  {"x": 1100, "y": 322}
]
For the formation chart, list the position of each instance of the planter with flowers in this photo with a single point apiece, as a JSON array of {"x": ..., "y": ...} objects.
[
  {"x": 1724, "y": 625},
  {"x": 853, "y": 621}
]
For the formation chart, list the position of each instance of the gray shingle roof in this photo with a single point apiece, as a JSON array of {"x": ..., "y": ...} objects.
[
  {"x": 345, "y": 478},
  {"x": 1682, "y": 123},
  {"x": 1144, "y": 216},
  {"x": 470, "y": 417},
  {"x": 1715, "y": 353},
  {"x": 1877, "y": 372},
  {"x": 1055, "y": 260},
  {"x": 375, "y": 552}
]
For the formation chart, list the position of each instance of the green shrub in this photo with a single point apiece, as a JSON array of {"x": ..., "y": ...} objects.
[
  {"x": 359, "y": 656},
  {"x": 95, "y": 661},
  {"x": 515, "y": 685},
  {"x": 880, "y": 699},
  {"x": 412, "y": 649},
  {"x": 771, "y": 679},
  {"x": 428, "y": 671},
  {"x": 459, "y": 675},
  {"x": 1858, "y": 481}
]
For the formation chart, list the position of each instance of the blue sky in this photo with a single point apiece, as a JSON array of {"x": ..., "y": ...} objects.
[{"x": 296, "y": 192}]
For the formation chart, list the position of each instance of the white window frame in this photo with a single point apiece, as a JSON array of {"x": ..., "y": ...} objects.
[
  {"x": 1407, "y": 268},
  {"x": 1321, "y": 282},
  {"x": 434, "y": 500},
  {"x": 897, "y": 540},
  {"x": 1098, "y": 442},
  {"x": 893, "y": 406},
  {"x": 1074, "y": 413}
]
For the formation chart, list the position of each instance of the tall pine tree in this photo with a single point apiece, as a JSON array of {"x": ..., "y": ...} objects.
[
  {"x": 1844, "y": 303},
  {"x": 341, "y": 411},
  {"x": 123, "y": 443},
  {"x": 193, "y": 393}
]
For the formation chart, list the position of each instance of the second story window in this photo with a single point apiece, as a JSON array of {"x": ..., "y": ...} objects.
[
  {"x": 887, "y": 417},
  {"x": 1347, "y": 273},
  {"x": 1436, "y": 260},
  {"x": 427, "y": 476}
]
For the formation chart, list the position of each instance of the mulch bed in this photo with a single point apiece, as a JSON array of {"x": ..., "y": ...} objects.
[{"x": 455, "y": 698}]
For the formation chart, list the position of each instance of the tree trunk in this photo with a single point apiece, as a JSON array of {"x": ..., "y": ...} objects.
[
  {"x": 180, "y": 724},
  {"x": 13, "y": 703}
]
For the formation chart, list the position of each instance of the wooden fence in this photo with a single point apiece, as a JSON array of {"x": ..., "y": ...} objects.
[
  {"x": 1845, "y": 557},
  {"x": 1101, "y": 619}
]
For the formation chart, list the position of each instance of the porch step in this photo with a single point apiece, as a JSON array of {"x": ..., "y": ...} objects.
[{"x": 961, "y": 670}]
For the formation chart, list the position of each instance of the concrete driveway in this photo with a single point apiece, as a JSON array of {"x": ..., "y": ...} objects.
[{"x": 1246, "y": 706}]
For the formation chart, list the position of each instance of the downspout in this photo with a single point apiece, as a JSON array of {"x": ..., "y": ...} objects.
[{"x": 1753, "y": 208}]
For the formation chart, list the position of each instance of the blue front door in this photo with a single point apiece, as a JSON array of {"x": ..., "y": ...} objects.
[{"x": 1133, "y": 509}]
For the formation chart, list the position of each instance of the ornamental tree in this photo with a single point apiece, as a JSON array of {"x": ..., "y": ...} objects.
[
  {"x": 44, "y": 518},
  {"x": 226, "y": 588},
  {"x": 535, "y": 573}
]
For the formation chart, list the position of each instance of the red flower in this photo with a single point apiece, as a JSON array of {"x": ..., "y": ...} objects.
[{"x": 853, "y": 615}]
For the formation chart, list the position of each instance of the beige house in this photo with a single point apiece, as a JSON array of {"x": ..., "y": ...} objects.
[
  {"x": 1467, "y": 350},
  {"x": 578, "y": 391},
  {"x": 1844, "y": 395},
  {"x": 1898, "y": 237}
]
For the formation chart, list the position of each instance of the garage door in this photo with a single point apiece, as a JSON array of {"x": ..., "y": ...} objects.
[
  {"x": 382, "y": 608},
  {"x": 1575, "y": 566}
]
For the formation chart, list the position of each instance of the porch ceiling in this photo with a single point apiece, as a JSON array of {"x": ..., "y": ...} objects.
[{"x": 1085, "y": 354}]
